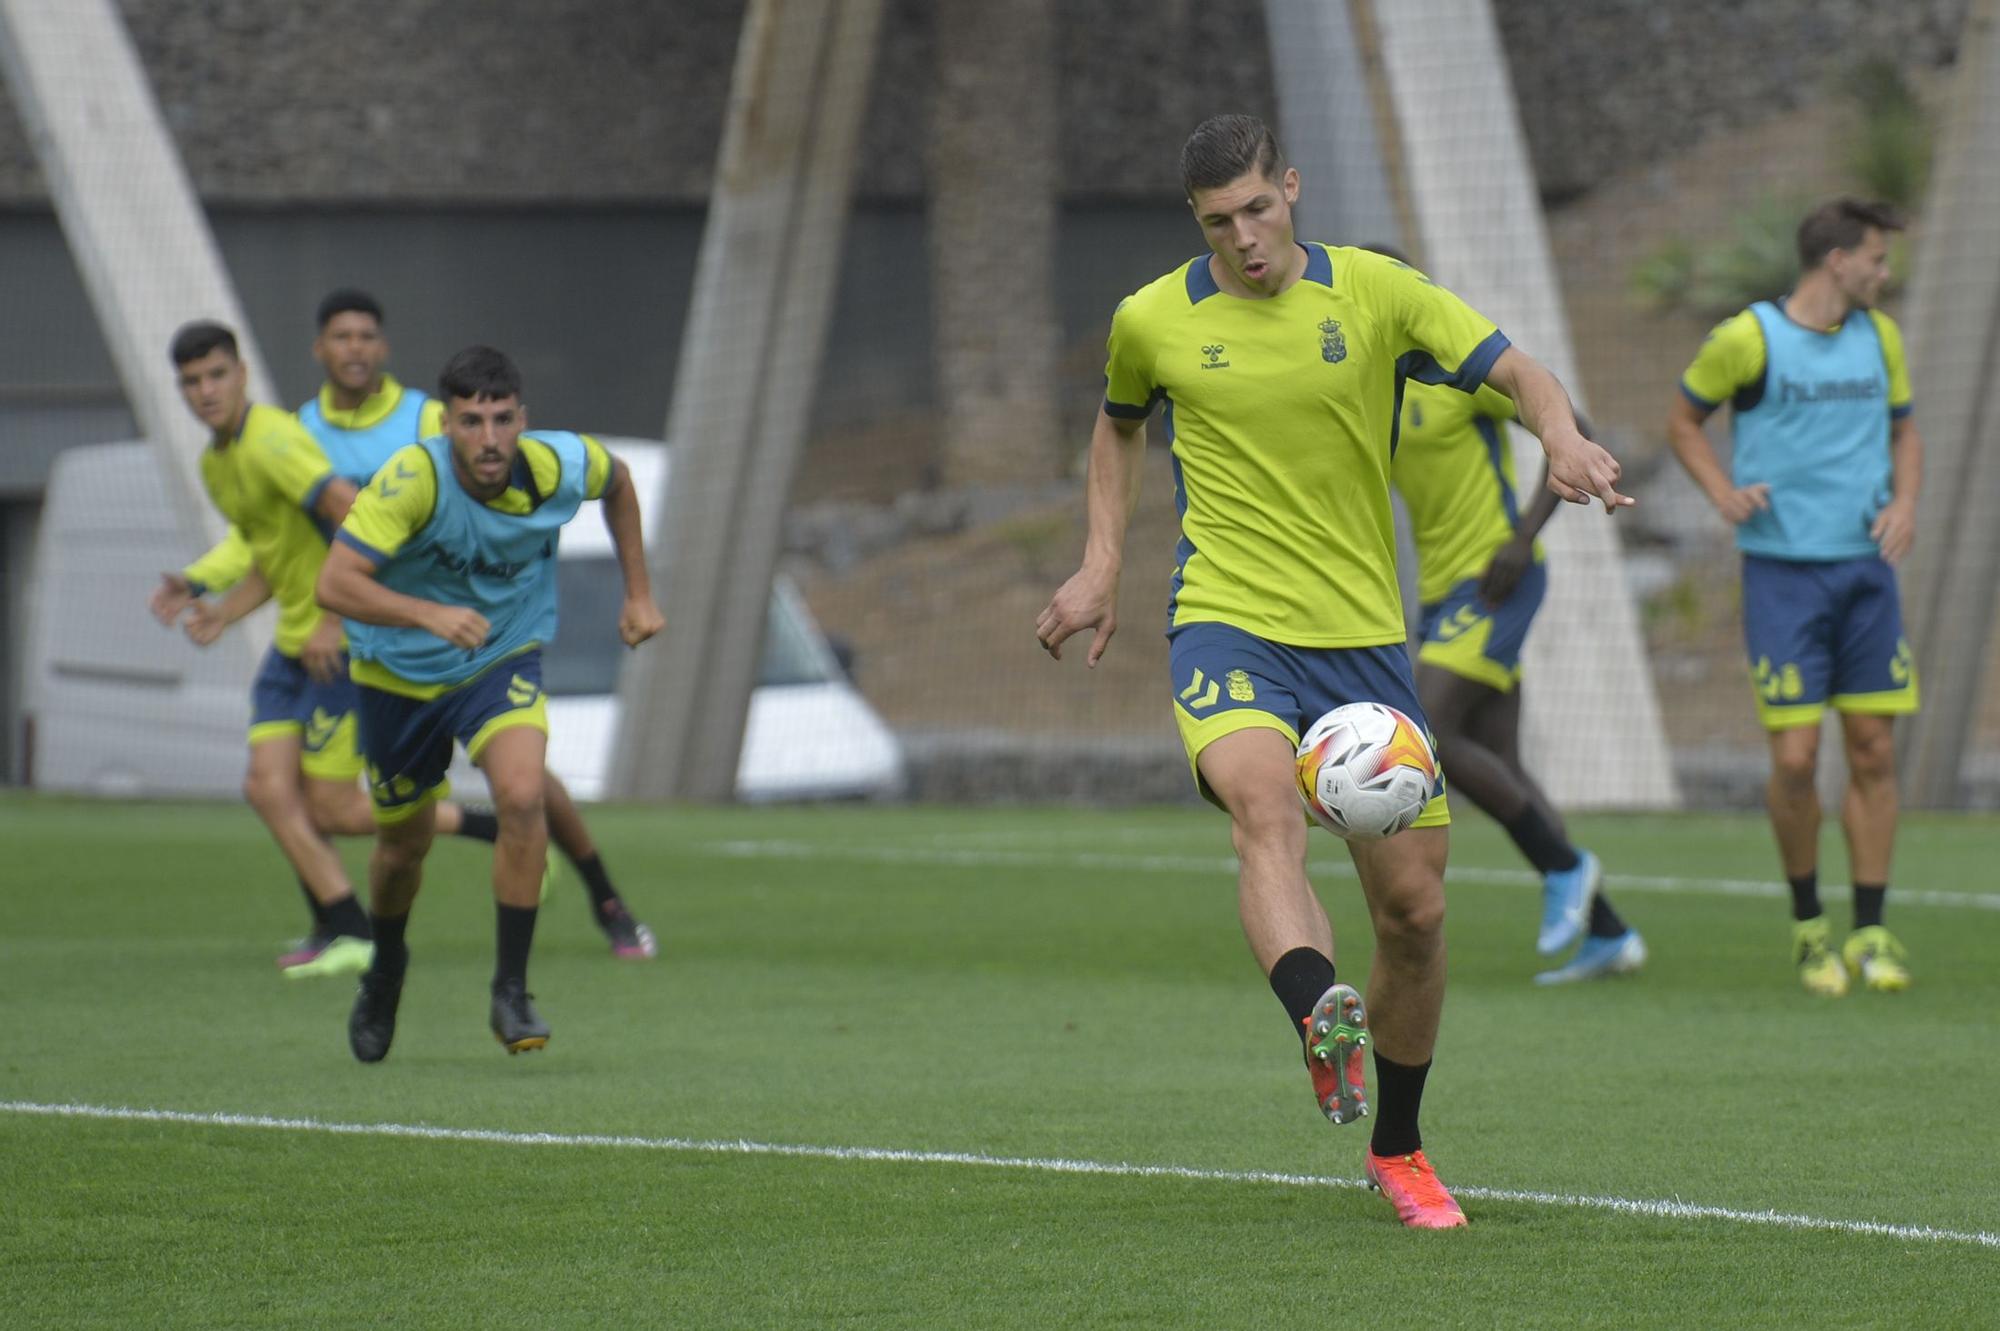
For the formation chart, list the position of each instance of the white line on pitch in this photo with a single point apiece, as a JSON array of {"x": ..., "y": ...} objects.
[
  {"x": 1667, "y": 1210},
  {"x": 1226, "y": 864}
]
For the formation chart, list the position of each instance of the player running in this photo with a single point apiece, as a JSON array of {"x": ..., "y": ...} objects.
[
  {"x": 1481, "y": 580},
  {"x": 271, "y": 481},
  {"x": 1822, "y": 492},
  {"x": 445, "y": 570},
  {"x": 1279, "y": 365}
]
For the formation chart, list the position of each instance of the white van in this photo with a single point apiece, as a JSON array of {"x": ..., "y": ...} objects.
[{"x": 118, "y": 705}]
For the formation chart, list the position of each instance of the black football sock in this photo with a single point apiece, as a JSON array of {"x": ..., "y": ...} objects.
[
  {"x": 1538, "y": 841},
  {"x": 392, "y": 957},
  {"x": 479, "y": 825},
  {"x": 516, "y": 935},
  {"x": 1868, "y": 904},
  {"x": 1399, "y": 1094},
  {"x": 597, "y": 881},
  {"x": 312, "y": 904},
  {"x": 1805, "y": 896},
  {"x": 1299, "y": 979},
  {"x": 344, "y": 918},
  {"x": 1604, "y": 921}
]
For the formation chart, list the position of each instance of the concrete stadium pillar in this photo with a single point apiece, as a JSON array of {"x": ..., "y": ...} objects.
[{"x": 764, "y": 287}]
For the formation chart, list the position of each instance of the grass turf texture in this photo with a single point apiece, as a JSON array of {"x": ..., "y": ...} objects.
[{"x": 1013, "y": 983}]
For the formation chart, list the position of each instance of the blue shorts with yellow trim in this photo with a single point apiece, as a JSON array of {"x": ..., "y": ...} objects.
[
  {"x": 1825, "y": 634},
  {"x": 409, "y": 740},
  {"x": 1481, "y": 642},
  {"x": 285, "y": 700},
  {"x": 1226, "y": 680}
]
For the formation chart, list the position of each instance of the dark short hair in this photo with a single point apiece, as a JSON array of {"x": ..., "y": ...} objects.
[
  {"x": 1840, "y": 225},
  {"x": 479, "y": 372},
  {"x": 194, "y": 340},
  {"x": 348, "y": 300},
  {"x": 1225, "y": 147}
]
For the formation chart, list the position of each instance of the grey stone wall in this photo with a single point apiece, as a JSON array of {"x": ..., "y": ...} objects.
[
  {"x": 512, "y": 101},
  {"x": 1606, "y": 85}
]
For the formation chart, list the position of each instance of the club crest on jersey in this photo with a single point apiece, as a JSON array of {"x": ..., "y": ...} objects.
[
  {"x": 1214, "y": 352},
  {"x": 1332, "y": 342}
]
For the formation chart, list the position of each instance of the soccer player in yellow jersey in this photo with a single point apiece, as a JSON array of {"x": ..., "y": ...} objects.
[
  {"x": 1822, "y": 490},
  {"x": 272, "y": 482},
  {"x": 1480, "y": 581},
  {"x": 1279, "y": 365}
]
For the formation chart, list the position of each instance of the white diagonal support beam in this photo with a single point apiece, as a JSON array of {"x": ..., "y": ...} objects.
[
  {"x": 1955, "y": 323},
  {"x": 1592, "y": 724},
  {"x": 134, "y": 225}
]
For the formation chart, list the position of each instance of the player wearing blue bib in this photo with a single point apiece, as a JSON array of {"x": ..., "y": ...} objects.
[
  {"x": 1281, "y": 365},
  {"x": 1822, "y": 491},
  {"x": 361, "y": 416},
  {"x": 445, "y": 572}
]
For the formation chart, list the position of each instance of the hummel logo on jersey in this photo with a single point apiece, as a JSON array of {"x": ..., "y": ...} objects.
[
  {"x": 403, "y": 473},
  {"x": 1214, "y": 353},
  {"x": 1332, "y": 342}
]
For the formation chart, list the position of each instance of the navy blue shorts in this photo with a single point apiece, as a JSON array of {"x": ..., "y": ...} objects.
[
  {"x": 1226, "y": 680},
  {"x": 1468, "y": 637},
  {"x": 408, "y": 740},
  {"x": 1825, "y": 634},
  {"x": 285, "y": 700}
]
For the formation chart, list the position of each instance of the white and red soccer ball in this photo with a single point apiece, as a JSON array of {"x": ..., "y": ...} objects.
[{"x": 1366, "y": 771}]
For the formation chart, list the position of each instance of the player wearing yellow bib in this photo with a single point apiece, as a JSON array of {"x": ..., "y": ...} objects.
[
  {"x": 1822, "y": 490},
  {"x": 1480, "y": 580},
  {"x": 446, "y": 572},
  {"x": 273, "y": 483},
  {"x": 1280, "y": 365}
]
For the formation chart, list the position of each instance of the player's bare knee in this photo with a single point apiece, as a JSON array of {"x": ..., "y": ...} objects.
[
  {"x": 1793, "y": 767},
  {"x": 519, "y": 808},
  {"x": 1871, "y": 758},
  {"x": 1268, "y": 823},
  {"x": 1410, "y": 920},
  {"x": 268, "y": 792}
]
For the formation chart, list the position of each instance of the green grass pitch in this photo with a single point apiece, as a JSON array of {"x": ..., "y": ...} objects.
[{"x": 1034, "y": 986}]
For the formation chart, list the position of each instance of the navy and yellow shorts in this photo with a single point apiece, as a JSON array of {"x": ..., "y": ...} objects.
[
  {"x": 409, "y": 740},
  {"x": 1823, "y": 634},
  {"x": 1226, "y": 680},
  {"x": 285, "y": 701},
  {"x": 1481, "y": 642}
]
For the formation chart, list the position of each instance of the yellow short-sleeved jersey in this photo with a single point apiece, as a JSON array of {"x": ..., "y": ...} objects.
[
  {"x": 1733, "y": 358},
  {"x": 266, "y": 481},
  {"x": 1455, "y": 470},
  {"x": 1282, "y": 414},
  {"x": 222, "y": 565}
]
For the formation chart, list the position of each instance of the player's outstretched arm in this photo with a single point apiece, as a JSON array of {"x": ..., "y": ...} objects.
[
  {"x": 348, "y": 588},
  {"x": 1090, "y": 598},
  {"x": 1697, "y": 455},
  {"x": 639, "y": 618},
  {"x": 1579, "y": 470},
  {"x": 207, "y": 619}
]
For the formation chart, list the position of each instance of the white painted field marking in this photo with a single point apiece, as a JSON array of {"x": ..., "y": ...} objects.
[
  {"x": 1664, "y": 1210},
  {"x": 1226, "y": 864}
]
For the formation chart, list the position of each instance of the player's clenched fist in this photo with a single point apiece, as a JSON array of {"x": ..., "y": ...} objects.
[
  {"x": 459, "y": 626},
  {"x": 639, "y": 620}
]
